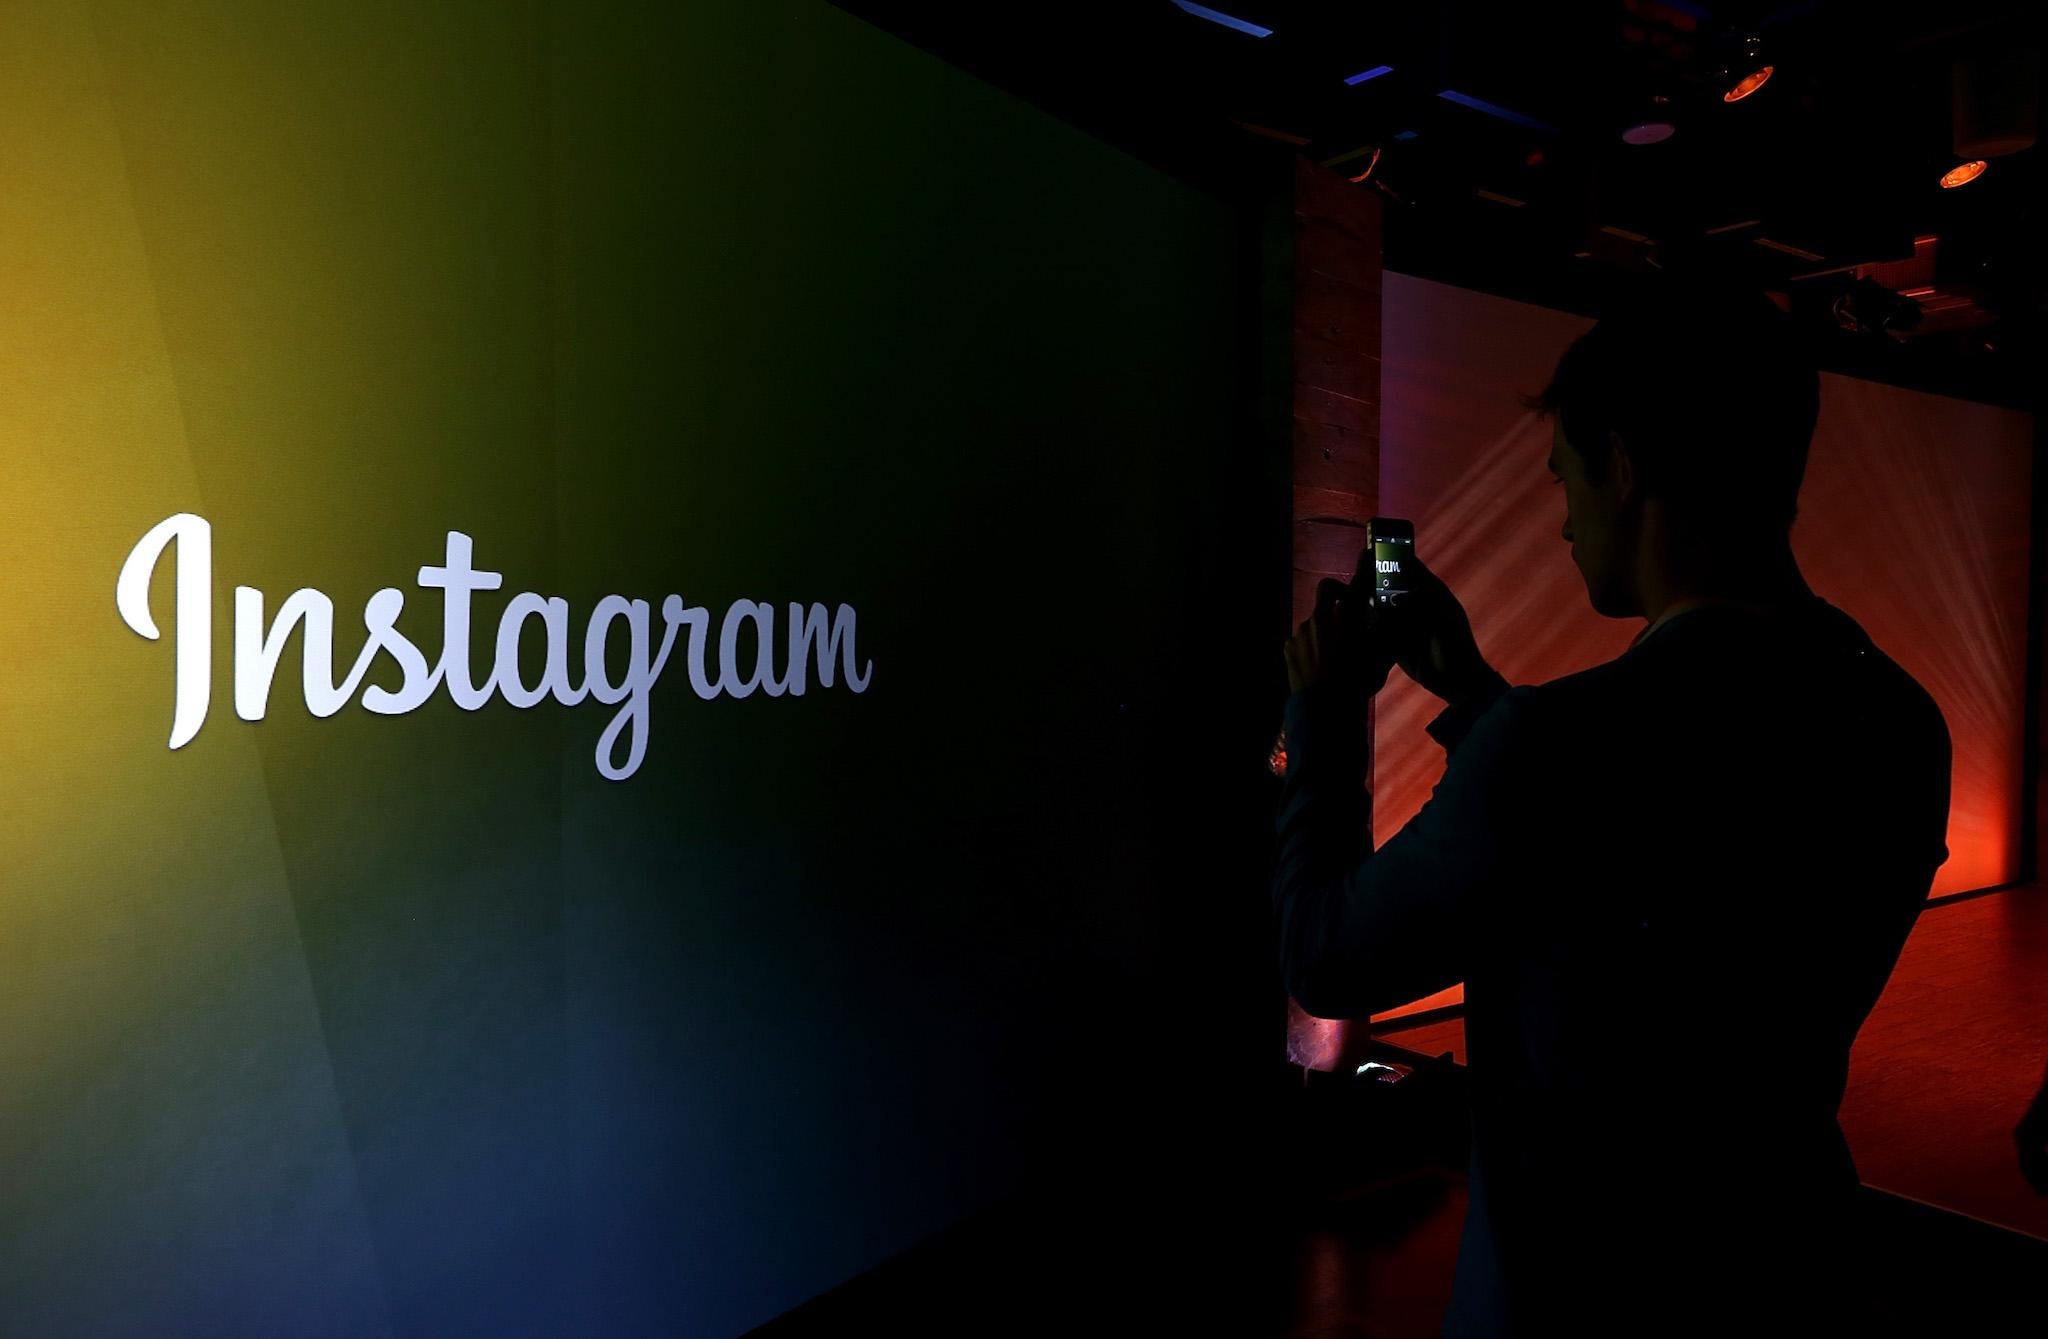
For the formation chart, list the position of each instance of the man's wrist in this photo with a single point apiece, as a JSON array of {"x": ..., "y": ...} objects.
[{"x": 1326, "y": 725}]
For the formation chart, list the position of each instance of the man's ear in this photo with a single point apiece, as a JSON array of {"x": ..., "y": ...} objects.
[{"x": 1621, "y": 466}]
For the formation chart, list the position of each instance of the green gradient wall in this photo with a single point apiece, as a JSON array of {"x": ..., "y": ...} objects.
[{"x": 417, "y": 1025}]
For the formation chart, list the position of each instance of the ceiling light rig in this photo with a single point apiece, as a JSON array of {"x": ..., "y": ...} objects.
[
  {"x": 1868, "y": 307},
  {"x": 1963, "y": 175}
]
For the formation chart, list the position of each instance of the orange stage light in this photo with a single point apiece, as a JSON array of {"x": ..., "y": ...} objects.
[
  {"x": 1749, "y": 84},
  {"x": 1958, "y": 176}
]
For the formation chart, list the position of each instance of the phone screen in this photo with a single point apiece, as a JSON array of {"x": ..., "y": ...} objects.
[{"x": 1391, "y": 550}]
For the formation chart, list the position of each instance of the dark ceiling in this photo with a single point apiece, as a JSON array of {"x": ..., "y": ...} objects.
[{"x": 1494, "y": 132}]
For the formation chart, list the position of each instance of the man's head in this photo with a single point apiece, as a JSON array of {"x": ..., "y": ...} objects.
[{"x": 1692, "y": 399}]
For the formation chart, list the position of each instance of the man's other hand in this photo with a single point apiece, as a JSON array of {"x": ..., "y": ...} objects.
[{"x": 1344, "y": 645}]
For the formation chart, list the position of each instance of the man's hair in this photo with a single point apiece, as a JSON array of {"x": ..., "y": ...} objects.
[{"x": 1712, "y": 393}]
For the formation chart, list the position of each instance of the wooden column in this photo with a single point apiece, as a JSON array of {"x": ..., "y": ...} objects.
[
  {"x": 1336, "y": 432},
  {"x": 1336, "y": 375}
]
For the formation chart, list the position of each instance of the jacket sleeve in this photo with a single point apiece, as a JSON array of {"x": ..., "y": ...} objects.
[{"x": 1362, "y": 931}]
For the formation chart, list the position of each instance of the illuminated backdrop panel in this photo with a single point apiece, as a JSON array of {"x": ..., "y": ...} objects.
[
  {"x": 422, "y": 1024},
  {"x": 1913, "y": 518}
]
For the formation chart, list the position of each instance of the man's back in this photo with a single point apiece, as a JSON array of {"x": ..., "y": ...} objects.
[{"x": 1728, "y": 832}]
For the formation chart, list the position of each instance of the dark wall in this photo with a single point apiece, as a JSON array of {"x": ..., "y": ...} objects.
[
  {"x": 843, "y": 970},
  {"x": 416, "y": 1024}
]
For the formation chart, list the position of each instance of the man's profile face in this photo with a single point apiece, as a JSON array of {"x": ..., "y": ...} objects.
[{"x": 1593, "y": 526}]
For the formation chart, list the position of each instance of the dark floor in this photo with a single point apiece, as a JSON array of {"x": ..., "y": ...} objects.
[
  {"x": 1941, "y": 1072},
  {"x": 1945, "y": 1065}
]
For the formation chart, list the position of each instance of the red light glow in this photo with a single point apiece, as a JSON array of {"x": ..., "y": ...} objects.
[
  {"x": 1962, "y": 176},
  {"x": 1749, "y": 84}
]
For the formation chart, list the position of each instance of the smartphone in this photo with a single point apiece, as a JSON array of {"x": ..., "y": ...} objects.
[
  {"x": 1393, "y": 546},
  {"x": 1392, "y": 541}
]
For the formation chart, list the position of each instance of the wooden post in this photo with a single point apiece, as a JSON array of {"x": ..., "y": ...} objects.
[{"x": 1337, "y": 249}]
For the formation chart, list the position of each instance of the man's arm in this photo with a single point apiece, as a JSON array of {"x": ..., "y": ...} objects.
[
  {"x": 1466, "y": 706},
  {"x": 1363, "y": 931}
]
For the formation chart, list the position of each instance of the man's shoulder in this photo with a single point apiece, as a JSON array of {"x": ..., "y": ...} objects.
[
  {"x": 1694, "y": 673},
  {"x": 1911, "y": 704},
  {"x": 1890, "y": 695},
  {"x": 1594, "y": 689}
]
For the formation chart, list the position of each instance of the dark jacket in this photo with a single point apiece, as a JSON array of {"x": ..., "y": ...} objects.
[{"x": 1673, "y": 885}]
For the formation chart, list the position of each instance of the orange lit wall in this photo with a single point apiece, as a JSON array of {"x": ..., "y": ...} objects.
[{"x": 1913, "y": 519}]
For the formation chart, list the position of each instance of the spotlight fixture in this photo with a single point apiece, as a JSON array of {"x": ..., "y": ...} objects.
[
  {"x": 1962, "y": 176},
  {"x": 1743, "y": 69},
  {"x": 1749, "y": 83}
]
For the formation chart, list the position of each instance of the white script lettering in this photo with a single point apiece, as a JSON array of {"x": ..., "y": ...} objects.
[{"x": 259, "y": 644}]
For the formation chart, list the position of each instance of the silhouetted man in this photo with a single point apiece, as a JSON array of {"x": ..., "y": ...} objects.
[{"x": 1673, "y": 884}]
